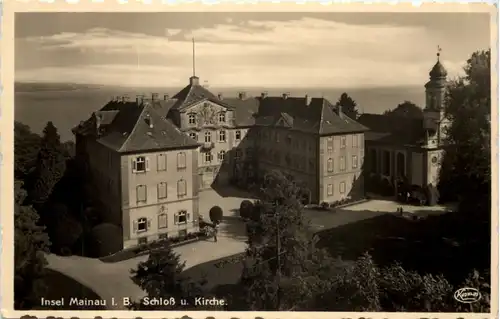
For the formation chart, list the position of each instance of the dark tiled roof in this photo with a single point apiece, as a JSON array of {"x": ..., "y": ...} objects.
[
  {"x": 130, "y": 129},
  {"x": 316, "y": 117},
  {"x": 392, "y": 129}
]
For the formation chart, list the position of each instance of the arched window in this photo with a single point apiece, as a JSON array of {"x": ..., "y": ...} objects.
[
  {"x": 400, "y": 165},
  {"x": 329, "y": 165}
]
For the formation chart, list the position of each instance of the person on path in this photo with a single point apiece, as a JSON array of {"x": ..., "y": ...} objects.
[{"x": 216, "y": 230}]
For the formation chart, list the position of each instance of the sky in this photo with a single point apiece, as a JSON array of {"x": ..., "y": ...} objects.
[{"x": 264, "y": 49}]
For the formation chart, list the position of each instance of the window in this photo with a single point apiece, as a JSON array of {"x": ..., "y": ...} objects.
[
  {"x": 373, "y": 161},
  {"x": 208, "y": 157},
  {"x": 182, "y": 217},
  {"x": 237, "y": 154},
  {"x": 194, "y": 136},
  {"x": 162, "y": 221},
  {"x": 342, "y": 188},
  {"x": 142, "y": 240},
  {"x": 329, "y": 165},
  {"x": 163, "y": 236},
  {"x": 329, "y": 144},
  {"x": 288, "y": 139},
  {"x": 208, "y": 137},
  {"x": 140, "y": 164},
  {"x": 387, "y": 163},
  {"x": 222, "y": 136},
  {"x": 329, "y": 189},
  {"x": 181, "y": 188},
  {"x": 354, "y": 161},
  {"x": 400, "y": 164},
  {"x": 237, "y": 135},
  {"x": 342, "y": 142},
  {"x": 277, "y": 137},
  {"x": 161, "y": 162},
  {"x": 354, "y": 140},
  {"x": 222, "y": 117},
  {"x": 342, "y": 163},
  {"x": 162, "y": 190},
  {"x": 141, "y": 225},
  {"x": 141, "y": 193},
  {"x": 287, "y": 159},
  {"x": 221, "y": 155},
  {"x": 181, "y": 160},
  {"x": 192, "y": 118}
]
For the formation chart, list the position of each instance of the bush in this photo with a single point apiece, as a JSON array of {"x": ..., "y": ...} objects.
[
  {"x": 105, "y": 239},
  {"x": 324, "y": 205},
  {"x": 246, "y": 207},
  {"x": 216, "y": 214},
  {"x": 256, "y": 210}
]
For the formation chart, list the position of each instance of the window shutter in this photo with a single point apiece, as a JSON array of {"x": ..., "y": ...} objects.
[
  {"x": 147, "y": 164},
  {"x": 135, "y": 226},
  {"x": 188, "y": 217},
  {"x": 176, "y": 218},
  {"x": 134, "y": 165},
  {"x": 149, "y": 223}
]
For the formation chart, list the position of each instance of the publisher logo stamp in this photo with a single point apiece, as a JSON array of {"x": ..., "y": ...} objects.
[{"x": 467, "y": 295}]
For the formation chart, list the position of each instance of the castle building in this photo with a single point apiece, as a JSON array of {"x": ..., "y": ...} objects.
[
  {"x": 149, "y": 158},
  {"x": 410, "y": 148}
]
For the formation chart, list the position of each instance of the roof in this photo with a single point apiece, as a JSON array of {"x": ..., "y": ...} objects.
[
  {"x": 391, "y": 129},
  {"x": 438, "y": 71},
  {"x": 314, "y": 115},
  {"x": 194, "y": 93},
  {"x": 130, "y": 130}
]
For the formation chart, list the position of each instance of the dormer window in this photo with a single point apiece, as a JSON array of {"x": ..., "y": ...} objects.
[
  {"x": 222, "y": 117},
  {"x": 192, "y": 118}
]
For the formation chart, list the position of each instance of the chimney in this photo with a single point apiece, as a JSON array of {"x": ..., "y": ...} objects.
[
  {"x": 220, "y": 96},
  {"x": 308, "y": 100},
  {"x": 242, "y": 95},
  {"x": 166, "y": 97},
  {"x": 139, "y": 99},
  {"x": 194, "y": 80},
  {"x": 154, "y": 96},
  {"x": 286, "y": 95},
  {"x": 263, "y": 95}
]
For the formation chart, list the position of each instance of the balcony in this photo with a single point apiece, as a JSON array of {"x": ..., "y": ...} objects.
[{"x": 207, "y": 146}]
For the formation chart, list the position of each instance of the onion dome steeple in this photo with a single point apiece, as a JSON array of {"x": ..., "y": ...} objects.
[{"x": 438, "y": 71}]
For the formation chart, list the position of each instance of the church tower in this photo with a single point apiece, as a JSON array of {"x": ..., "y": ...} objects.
[{"x": 434, "y": 115}]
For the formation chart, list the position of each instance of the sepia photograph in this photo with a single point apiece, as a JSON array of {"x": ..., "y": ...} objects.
[{"x": 253, "y": 161}]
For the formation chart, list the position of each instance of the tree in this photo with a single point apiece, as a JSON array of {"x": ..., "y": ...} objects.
[
  {"x": 30, "y": 244},
  {"x": 466, "y": 166},
  {"x": 216, "y": 214},
  {"x": 349, "y": 106},
  {"x": 246, "y": 208},
  {"x": 50, "y": 166},
  {"x": 161, "y": 276},
  {"x": 26, "y": 148},
  {"x": 406, "y": 109},
  {"x": 104, "y": 239},
  {"x": 64, "y": 229},
  {"x": 285, "y": 272}
]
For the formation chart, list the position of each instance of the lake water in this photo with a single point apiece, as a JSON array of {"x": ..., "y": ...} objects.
[{"x": 68, "y": 107}]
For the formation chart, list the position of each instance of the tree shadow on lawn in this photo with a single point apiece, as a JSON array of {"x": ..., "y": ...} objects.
[
  {"x": 427, "y": 245},
  {"x": 60, "y": 286}
]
